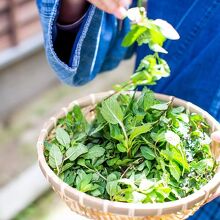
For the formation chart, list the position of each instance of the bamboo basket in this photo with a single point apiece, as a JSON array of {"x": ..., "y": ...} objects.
[{"x": 96, "y": 208}]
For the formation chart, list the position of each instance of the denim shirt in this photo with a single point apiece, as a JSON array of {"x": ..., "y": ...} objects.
[{"x": 194, "y": 59}]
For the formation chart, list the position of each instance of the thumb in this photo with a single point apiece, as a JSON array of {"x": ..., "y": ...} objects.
[
  {"x": 215, "y": 195},
  {"x": 216, "y": 136}
]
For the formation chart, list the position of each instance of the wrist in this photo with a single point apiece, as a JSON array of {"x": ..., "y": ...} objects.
[{"x": 71, "y": 11}]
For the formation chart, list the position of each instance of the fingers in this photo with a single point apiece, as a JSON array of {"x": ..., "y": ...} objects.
[
  {"x": 115, "y": 7},
  {"x": 216, "y": 136},
  {"x": 124, "y": 3},
  {"x": 120, "y": 13}
]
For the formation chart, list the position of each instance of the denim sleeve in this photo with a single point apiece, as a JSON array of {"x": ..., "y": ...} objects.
[{"x": 97, "y": 46}]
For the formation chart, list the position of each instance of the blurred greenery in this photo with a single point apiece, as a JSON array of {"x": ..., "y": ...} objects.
[{"x": 39, "y": 209}]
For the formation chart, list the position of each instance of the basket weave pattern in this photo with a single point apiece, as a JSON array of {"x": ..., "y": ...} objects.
[{"x": 96, "y": 208}]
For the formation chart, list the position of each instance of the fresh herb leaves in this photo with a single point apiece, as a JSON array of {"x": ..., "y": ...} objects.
[
  {"x": 153, "y": 33},
  {"x": 135, "y": 150}
]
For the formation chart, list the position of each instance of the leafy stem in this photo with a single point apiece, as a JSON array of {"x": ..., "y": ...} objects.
[
  {"x": 153, "y": 33},
  {"x": 137, "y": 149},
  {"x": 96, "y": 171},
  {"x": 140, "y": 3},
  {"x": 139, "y": 160},
  {"x": 127, "y": 84},
  {"x": 124, "y": 132}
]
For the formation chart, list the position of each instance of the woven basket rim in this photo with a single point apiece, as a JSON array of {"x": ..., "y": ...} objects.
[{"x": 94, "y": 202}]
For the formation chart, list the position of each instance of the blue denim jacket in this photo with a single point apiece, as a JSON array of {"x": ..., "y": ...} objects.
[{"x": 194, "y": 59}]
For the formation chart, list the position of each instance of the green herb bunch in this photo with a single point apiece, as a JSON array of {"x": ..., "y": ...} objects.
[
  {"x": 137, "y": 149},
  {"x": 154, "y": 33}
]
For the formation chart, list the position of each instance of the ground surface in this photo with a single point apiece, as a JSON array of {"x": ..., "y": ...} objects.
[{"x": 49, "y": 207}]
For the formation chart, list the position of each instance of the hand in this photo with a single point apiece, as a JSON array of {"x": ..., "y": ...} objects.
[
  {"x": 115, "y": 7},
  {"x": 215, "y": 137},
  {"x": 73, "y": 10}
]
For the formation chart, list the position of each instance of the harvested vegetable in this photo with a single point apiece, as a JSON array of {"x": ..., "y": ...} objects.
[{"x": 138, "y": 150}]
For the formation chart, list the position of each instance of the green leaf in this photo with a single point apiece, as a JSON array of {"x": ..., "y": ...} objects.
[
  {"x": 80, "y": 122},
  {"x": 95, "y": 152},
  {"x": 167, "y": 29},
  {"x": 140, "y": 130},
  {"x": 178, "y": 110},
  {"x": 132, "y": 36},
  {"x": 97, "y": 129},
  {"x": 158, "y": 137},
  {"x": 47, "y": 145},
  {"x": 149, "y": 99},
  {"x": 145, "y": 63},
  {"x": 157, "y": 48},
  {"x": 138, "y": 197},
  {"x": 62, "y": 137},
  {"x": 67, "y": 166},
  {"x": 141, "y": 78},
  {"x": 144, "y": 38},
  {"x": 121, "y": 148},
  {"x": 55, "y": 157},
  {"x": 88, "y": 187},
  {"x": 172, "y": 138},
  {"x": 203, "y": 165},
  {"x": 128, "y": 182},
  {"x": 174, "y": 154},
  {"x": 116, "y": 133},
  {"x": 124, "y": 162},
  {"x": 141, "y": 166},
  {"x": 146, "y": 184},
  {"x": 83, "y": 181},
  {"x": 69, "y": 177},
  {"x": 156, "y": 36},
  {"x": 160, "y": 107},
  {"x": 112, "y": 188},
  {"x": 111, "y": 111},
  {"x": 148, "y": 164},
  {"x": 81, "y": 162},
  {"x": 112, "y": 161},
  {"x": 175, "y": 170},
  {"x": 74, "y": 152},
  {"x": 96, "y": 193},
  {"x": 147, "y": 153},
  {"x": 113, "y": 176},
  {"x": 163, "y": 192}
]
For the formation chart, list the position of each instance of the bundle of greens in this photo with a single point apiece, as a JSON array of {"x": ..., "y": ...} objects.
[
  {"x": 153, "y": 33},
  {"x": 137, "y": 149}
]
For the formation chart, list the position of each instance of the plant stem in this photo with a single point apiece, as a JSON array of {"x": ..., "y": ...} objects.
[
  {"x": 97, "y": 172},
  {"x": 124, "y": 132},
  {"x": 129, "y": 167},
  {"x": 115, "y": 92},
  {"x": 140, "y": 3}
]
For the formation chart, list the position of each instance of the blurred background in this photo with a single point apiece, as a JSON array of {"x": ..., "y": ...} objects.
[{"x": 29, "y": 95}]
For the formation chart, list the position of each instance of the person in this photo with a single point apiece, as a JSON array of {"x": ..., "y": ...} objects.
[{"x": 83, "y": 38}]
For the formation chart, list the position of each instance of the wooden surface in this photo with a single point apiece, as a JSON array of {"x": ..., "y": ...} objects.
[{"x": 19, "y": 21}]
